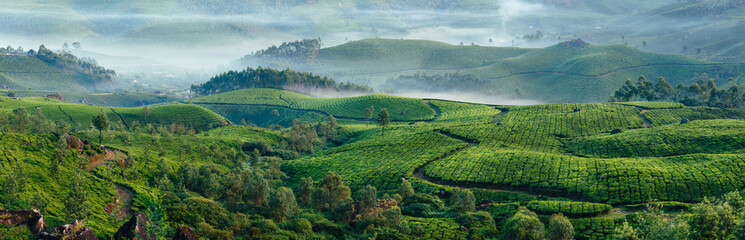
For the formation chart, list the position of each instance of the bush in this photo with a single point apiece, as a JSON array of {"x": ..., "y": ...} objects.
[
  {"x": 524, "y": 225},
  {"x": 418, "y": 210},
  {"x": 302, "y": 225}
]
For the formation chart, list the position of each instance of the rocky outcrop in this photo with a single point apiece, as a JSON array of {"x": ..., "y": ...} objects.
[
  {"x": 31, "y": 218},
  {"x": 72, "y": 231},
  {"x": 133, "y": 229},
  {"x": 185, "y": 233}
]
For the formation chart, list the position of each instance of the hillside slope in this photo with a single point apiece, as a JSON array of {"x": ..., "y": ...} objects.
[
  {"x": 21, "y": 72},
  {"x": 573, "y": 71}
]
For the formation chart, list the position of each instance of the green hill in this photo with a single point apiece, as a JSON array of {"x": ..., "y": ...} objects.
[
  {"x": 80, "y": 115},
  {"x": 573, "y": 71},
  {"x": 21, "y": 72},
  {"x": 400, "y": 108}
]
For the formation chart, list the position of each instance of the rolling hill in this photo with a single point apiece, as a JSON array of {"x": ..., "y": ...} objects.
[
  {"x": 80, "y": 115},
  {"x": 21, "y": 72},
  {"x": 572, "y": 71}
]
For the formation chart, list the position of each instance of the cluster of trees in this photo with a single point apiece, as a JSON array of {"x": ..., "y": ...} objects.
[
  {"x": 10, "y": 49},
  {"x": 717, "y": 218},
  {"x": 271, "y": 78},
  {"x": 301, "y": 51},
  {"x": 700, "y": 93},
  {"x": 95, "y": 75},
  {"x": 440, "y": 83}
]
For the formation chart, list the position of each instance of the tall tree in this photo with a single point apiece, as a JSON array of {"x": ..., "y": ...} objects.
[
  {"x": 368, "y": 198},
  {"x": 369, "y": 112},
  {"x": 101, "y": 122},
  {"x": 384, "y": 120},
  {"x": 258, "y": 189},
  {"x": 306, "y": 190},
  {"x": 20, "y": 119},
  {"x": 663, "y": 90},
  {"x": 283, "y": 204}
]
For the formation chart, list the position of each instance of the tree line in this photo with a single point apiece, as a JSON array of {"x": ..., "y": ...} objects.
[
  {"x": 271, "y": 78},
  {"x": 700, "y": 93}
]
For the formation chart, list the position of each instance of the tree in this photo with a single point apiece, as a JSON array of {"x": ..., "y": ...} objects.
[
  {"x": 711, "y": 221},
  {"x": 369, "y": 112},
  {"x": 306, "y": 190},
  {"x": 663, "y": 89},
  {"x": 65, "y": 47},
  {"x": 463, "y": 200},
  {"x": 524, "y": 225},
  {"x": 368, "y": 198},
  {"x": 20, "y": 119},
  {"x": 258, "y": 189},
  {"x": 101, "y": 122},
  {"x": 76, "y": 45},
  {"x": 406, "y": 190},
  {"x": 559, "y": 228},
  {"x": 384, "y": 120},
  {"x": 255, "y": 158},
  {"x": 76, "y": 204},
  {"x": 320, "y": 199},
  {"x": 283, "y": 204}
]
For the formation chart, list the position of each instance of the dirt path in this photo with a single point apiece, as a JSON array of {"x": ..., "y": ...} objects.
[
  {"x": 101, "y": 160},
  {"x": 647, "y": 123},
  {"x": 124, "y": 198}
]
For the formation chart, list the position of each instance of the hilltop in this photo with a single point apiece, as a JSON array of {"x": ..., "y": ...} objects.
[
  {"x": 572, "y": 71},
  {"x": 52, "y": 71}
]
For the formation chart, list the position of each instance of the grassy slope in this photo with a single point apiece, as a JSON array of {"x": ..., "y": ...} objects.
[
  {"x": 21, "y": 72},
  {"x": 554, "y": 74},
  {"x": 79, "y": 114},
  {"x": 349, "y": 107}
]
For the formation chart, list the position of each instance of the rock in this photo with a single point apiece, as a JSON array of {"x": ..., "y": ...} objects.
[
  {"x": 185, "y": 233},
  {"x": 32, "y": 218},
  {"x": 70, "y": 231},
  {"x": 616, "y": 131},
  {"x": 133, "y": 229},
  {"x": 684, "y": 120}
]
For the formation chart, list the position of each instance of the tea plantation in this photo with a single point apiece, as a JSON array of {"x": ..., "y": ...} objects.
[{"x": 597, "y": 164}]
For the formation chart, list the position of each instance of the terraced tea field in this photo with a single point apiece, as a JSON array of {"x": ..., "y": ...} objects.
[{"x": 555, "y": 152}]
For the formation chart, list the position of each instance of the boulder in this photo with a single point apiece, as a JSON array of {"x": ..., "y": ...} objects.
[
  {"x": 72, "y": 231},
  {"x": 185, "y": 233},
  {"x": 684, "y": 120},
  {"x": 133, "y": 229},
  {"x": 31, "y": 218}
]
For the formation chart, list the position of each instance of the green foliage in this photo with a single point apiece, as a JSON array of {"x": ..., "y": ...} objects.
[
  {"x": 559, "y": 228},
  {"x": 283, "y": 204},
  {"x": 523, "y": 225},
  {"x": 575, "y": 209},
  {"x": 270, "y": 78},
  {"x": 384, "y": 120},
  {"x": 463, "y": 201}
]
